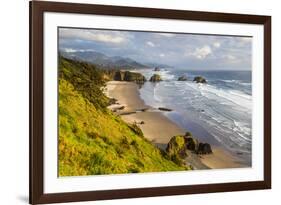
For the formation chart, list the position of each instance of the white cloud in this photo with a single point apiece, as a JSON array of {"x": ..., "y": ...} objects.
[
  {"x": 200, "y": 53},
  {"x": 91, "y": 35},
  {"x": 149, "y": 43},
  {"x": 162, "y": 55},
  {"x": 230, "y": 57},
  {"x": 216, "y": 44}
]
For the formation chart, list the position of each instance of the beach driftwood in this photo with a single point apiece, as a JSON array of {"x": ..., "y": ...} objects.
[
  {"x": 165, "y": 109},
  {"x": 142, "y": 109}
]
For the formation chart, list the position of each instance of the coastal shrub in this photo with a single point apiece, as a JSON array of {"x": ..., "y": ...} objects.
[
  {"x": 86, "y": 79},
  {"x": 176, "y": 158},
  {"x": 135, "y": 128}
]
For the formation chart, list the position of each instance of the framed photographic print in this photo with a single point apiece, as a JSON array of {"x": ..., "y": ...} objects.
[{"x": 138, "y": 102}]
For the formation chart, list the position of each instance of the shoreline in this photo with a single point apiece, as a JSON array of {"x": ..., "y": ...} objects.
[{"x": 158, "y": 128}]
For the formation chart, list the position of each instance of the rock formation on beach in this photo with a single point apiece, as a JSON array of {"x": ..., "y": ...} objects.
[
  {"x": 156, "y": 69},
  {"x": 129, "y": 76},
  {"x": 134, "y": 77},
  {"x": 204, "y": 148},
  {"x": 155, "y": 78},
  {"x": 180, "y": 145},
  {"x": 200, "y": 79},
  {"x": 119, "y": 76},
  {"x": 182, "y": 78}
]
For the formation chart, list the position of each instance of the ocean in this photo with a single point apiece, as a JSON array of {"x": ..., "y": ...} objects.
[{"x": 219, "y": 112}]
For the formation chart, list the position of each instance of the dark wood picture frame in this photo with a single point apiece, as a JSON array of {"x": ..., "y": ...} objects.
[{"x": 37, "y": 9}]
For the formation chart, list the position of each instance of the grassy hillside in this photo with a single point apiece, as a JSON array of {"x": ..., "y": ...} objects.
[{"x": 92, "y": 140}]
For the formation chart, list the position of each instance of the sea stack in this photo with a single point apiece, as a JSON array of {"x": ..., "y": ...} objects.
[
  {"x": 134, "y": 77},
  {"x": 155, "y": 78},
  {"x": 200, "y": 79},
  {"x": 182, "y": 78},
  {"x": 129, "y": 76}
]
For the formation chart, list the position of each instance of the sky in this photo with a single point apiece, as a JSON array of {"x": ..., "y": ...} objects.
[{"x": 183, "y": 51}]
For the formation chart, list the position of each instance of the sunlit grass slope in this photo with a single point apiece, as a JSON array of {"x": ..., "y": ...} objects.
[{"x": 92, "y": 140}]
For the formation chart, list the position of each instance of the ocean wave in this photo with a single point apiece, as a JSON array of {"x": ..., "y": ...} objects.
[
  {"x": 236, "y": 81},
  {"x": 224, "y": 112},
  {"x": 166, "y": 75},
  {"x": 247, "y": 84},
  {"x": 234, "y": 96}
]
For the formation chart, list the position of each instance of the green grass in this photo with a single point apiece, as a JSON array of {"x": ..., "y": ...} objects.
[{"x": 92, "y": 140}]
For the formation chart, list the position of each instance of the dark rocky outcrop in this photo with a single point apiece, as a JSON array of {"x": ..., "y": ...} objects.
[
  {"x": 200, "y": 79},
  {"x": 129, "y": 76},
  {"x": 176, "y": 146},
  {"x": 156, "y": 69},
  {"x": 134, "y": 77},
  {"x": 180, "y": 145},
  {"x": 191, "y": 143},
  {"x": 112, "y": 101},
  {"x": 155, "y": 78},
  {"x": 119, "y": 76},
  {"x": 204, "y": 148},
  {"x": 182, "y": 78}
]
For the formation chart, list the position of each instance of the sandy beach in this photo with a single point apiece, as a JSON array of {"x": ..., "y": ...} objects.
[{"x": 158, "y": 128}]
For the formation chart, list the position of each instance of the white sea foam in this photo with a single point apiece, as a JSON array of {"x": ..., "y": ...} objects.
[
  {"x": 237, "y": 97},
  {"x": 166, "y": 75}
]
